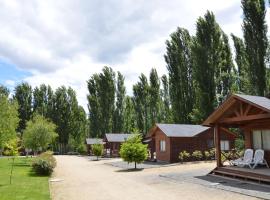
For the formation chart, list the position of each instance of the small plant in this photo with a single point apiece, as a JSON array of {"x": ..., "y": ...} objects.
[
  {"x": 44, "y": 163},
  {"x": 97, "y": 150},
  {"x": 197, "y": 155},
  {"x": 183, "y": 156},
  {"x": 212, "y": 153},
  {"x": 207, "y": 155}
]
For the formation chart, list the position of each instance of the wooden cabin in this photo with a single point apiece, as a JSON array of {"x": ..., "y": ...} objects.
[
  {"x": 113, "y": 142},
  {"x": 90, "y": 141},
  {"x": 251, "y": 114},
  {"x": 168, "y": 140}
]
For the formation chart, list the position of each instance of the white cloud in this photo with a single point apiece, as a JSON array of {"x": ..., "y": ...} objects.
[{"x": 64, "y": 42}]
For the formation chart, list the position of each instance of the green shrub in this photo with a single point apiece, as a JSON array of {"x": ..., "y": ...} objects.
[
  {"x": 183, "y": 156},
  {"x": 44, "y": 163},
  {"x": 97, "y": 150},
  {"x": 239, "y": 144},
  {"x": 197, "y": 155},
  {"x": 212, "y": 153},
  {"x": 207, "y": 155}
]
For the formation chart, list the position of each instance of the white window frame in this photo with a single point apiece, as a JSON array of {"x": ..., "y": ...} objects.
[{"x": 162, "y": 145}]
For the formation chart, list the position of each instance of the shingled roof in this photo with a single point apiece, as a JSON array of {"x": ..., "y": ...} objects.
[
  {"x": 117, "y": 137},
  {"x": 94, "y": 141},
  {"x": 181, "y": 130}
]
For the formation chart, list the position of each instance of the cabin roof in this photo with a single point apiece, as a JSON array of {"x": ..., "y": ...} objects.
[
  {"x": 118, "y": 137},
  {"x": 94, "y": 141},
  {"x": 181, "y": 130},
  {"x": 259, "y": 102}
]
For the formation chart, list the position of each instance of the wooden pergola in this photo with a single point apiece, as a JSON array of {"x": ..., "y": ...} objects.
[{"x": 246, "y": 112}]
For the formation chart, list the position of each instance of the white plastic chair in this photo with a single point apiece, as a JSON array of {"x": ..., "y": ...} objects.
[
  {"x": 247, "y": 160},
  {"x": 259, "y": 159}
]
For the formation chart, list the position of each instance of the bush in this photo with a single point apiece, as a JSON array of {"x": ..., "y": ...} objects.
[
  {"x": 239, "y": 144},
  {"x": 183, "y": 156},
  {"x": 207, "y": 155},
  {"x": 212, "y": 153},
  {"x": 44, "y": 163},
  {"x": 197, "y": 155},
  {"x": 97, "y": 150}
]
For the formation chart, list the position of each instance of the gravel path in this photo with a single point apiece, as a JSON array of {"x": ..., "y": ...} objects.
[{"x": 78, "y": 178}]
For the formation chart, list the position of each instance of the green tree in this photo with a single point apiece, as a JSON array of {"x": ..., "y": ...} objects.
[
  {"x": 8, "y": 120},
  {"x": 212, "y": 66},
  {"x": 97, "y": 150},
  {"x": 43, "y": 101},
  {"x": 154, "y": 97},
  {"x": 165, "y": 98},
  {"x": 141, "y": 104},
  {"x": 4, "y": 91},
  {"x": 133, "y": 150},
  {"x": 39, "y": 133},
  {"x": 23, "y": 95},
  {"x": 120, "y": 104},
  {"x": 129, "y": 115},
  {"x": 93, "y": 106},
  {"x": 101, "y": 102},
  {"x": 179, "y": 65},
  {"x": 242, "y": 64},
  {"x": 255, "y": 35}
]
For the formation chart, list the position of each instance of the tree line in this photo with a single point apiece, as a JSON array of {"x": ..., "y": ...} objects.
[
  {"x": 60, "y": 107},
  {"x": 201, "y": 74}
]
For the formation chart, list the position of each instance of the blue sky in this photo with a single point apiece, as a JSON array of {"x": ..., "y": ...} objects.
[{"x": 64, "y": 42}]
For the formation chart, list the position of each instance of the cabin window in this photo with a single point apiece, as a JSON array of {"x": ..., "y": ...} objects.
[
  {"x": 224, "y": 145},
  {"x": 210, "y": 143},
  {"x": 162, "y": 145},
  {"x": 261, "y": 139}
]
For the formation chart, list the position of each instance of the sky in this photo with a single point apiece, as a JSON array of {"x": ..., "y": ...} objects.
[{"x": 64, "y": 42}]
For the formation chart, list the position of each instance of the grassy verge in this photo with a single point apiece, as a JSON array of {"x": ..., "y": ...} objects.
[{"x": 25, "y": 184}]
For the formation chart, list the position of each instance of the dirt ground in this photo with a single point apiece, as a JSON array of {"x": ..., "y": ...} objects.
[{"x": 78, "y": 178}]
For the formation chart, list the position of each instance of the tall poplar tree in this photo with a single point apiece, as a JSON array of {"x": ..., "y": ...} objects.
[
  {"x": 213, "y": 66},
  {"x": 242, "y": 64},
  {"x": 179, "y": 65},
  {"x": 154, "y": 97},
  {"x": 23, "y": 96},
  {"x": 106, "y": 98},
  {"x": 118, "y": 119},
  {"x": 93, "y": 106},
  {"x": 129, "y": 115},
  {"x": 255, "y": 35},
  {"x": 165, "y": 98},
  {"x": 43, "y": 101},
  {"x": 141, "y": 103}
]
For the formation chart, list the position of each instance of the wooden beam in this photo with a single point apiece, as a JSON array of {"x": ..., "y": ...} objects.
[
  {"x": 237, "y": 113},
  {"x": 217, "y": 144},
  {"x": 245, "y": 118},
  {"x": 241, "y": 108},
  {"x": 247, "y": 110}
]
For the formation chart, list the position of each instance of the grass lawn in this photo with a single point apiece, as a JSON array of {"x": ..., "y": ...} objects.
[{"x": 25, "y": 184}]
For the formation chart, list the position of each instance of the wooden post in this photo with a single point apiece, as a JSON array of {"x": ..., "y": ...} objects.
[{"x": 217, "y": 144}]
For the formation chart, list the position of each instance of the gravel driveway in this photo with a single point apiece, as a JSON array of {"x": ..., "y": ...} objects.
[{"x": 78, "y": 178}]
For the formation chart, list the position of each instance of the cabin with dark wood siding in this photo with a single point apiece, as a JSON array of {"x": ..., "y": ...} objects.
[
  {"x": 166, "y": 141},
  {"x": 90, "y": 141},
  {"x": 113, "y": 142},
  {"x": 250, "y": 114}
]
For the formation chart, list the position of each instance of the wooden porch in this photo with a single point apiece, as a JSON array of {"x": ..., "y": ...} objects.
[{"x": 261, "y": 175}]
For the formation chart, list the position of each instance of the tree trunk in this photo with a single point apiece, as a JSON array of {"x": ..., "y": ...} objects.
[
  {"x": 10, "y": 177},
  {"x": 135, "y": 165}
]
